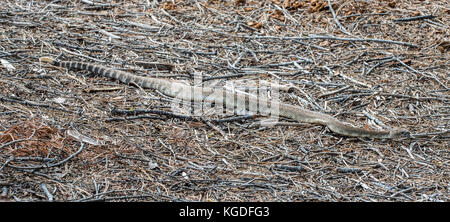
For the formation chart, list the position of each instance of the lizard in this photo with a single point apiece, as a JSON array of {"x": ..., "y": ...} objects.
[{"x": 183, "y": 91}]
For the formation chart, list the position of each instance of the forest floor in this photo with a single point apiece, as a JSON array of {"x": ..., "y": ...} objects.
[{"x": 73, "y": 136}]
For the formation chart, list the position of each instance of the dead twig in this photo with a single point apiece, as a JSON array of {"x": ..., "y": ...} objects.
[
  {"x": 336, "y": 20},
  {"x": 414, "y": 18},
  {"x": 48, "y": 165}
]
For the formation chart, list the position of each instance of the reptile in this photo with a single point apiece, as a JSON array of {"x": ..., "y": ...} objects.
[{"x": 186, "y": 92}]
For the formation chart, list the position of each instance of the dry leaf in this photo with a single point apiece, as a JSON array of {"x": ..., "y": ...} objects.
[
  {"x": 416, "y": 13},
  {"x": 324, "y": 43},
  {"x": 317, "y": 5},
  {"x": 168, "y": 6},
  {"x": 278, "y": 15},
  {"x": 444, "y": 46},
  {"x": 287, "y": 3},
  {"x": 276, "y": 2},
  {"x": 256, "y": 25},
  {"x": 391, "y": 4}
]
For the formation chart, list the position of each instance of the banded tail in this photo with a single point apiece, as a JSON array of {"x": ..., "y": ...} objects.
[
  {"x": 96, "y": 69},
  {"x": 124, "y": 77}
]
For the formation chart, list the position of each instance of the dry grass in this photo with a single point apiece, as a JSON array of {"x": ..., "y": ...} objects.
[{"x": 61, "y": 140}]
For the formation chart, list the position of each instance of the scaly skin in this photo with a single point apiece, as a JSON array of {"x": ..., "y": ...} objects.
[{"x": 211, "y": 95}]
